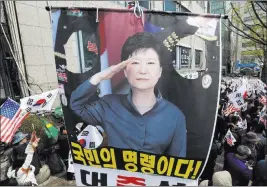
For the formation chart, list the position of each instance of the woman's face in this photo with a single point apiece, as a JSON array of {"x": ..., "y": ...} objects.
[
  {"x": 144, "y": 71},
  {"x": 23, "y": 141}
]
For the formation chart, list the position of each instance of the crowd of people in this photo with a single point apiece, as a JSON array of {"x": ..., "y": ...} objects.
[
  {"x": 240, "y": 137},
  {"x": 30, "y": 160}
]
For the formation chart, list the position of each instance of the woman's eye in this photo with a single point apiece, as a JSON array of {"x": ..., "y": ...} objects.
[
  {"x": 135, "y": 63},
  {"x": 151, "y": 62}
]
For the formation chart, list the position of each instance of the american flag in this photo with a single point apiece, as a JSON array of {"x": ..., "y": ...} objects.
[
  {"x": 230, "y": 109},
  {"x": 11, "y": 117}
]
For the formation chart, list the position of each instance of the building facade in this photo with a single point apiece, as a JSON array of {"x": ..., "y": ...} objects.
[
  {"x": 222, "y": 7},
  {"x": 31, "y": 38}
]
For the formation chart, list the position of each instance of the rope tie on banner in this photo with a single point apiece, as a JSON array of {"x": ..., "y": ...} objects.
[
  {"x": 97, "y": 20},
  {"x": 49, "y": 12},
  {"x": 137, "y": 7}
]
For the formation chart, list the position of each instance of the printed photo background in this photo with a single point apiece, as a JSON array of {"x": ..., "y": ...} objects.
[{"x": 87, "y": 41}]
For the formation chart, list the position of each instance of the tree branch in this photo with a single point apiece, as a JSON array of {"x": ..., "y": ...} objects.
[
  {"x": 244, "y": 34},
  {"x": 258, "y": 3},
  {"x": 244, "y": 23},
  {"x": 257, "y": 15},
  {"x": 254, "y": 20}
]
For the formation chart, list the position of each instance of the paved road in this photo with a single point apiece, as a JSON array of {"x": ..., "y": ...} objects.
[
  {"x": 219, "y": 163},
  {"x": 58, "y": 180}
]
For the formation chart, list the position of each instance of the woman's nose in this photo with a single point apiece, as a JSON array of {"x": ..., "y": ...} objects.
[{"x": 143, "y": 69}]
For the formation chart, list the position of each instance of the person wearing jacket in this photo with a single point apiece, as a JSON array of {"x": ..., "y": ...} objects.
[
  {"x": 136, "y": 120},
  {"x": 5, "y": 162},
  {"x": 20, "y": 142},
  {"x": 251, "y": 140},
  {"x": 239, "y": 168},
  {"x": 24, "y": 174},
  {"x": 231, "y": 148}
]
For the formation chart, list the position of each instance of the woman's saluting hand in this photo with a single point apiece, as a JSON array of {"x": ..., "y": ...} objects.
[{"x": 109, "y": 72}]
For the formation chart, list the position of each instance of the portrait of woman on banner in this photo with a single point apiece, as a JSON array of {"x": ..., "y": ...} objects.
[{"x": 141, "y": 120}]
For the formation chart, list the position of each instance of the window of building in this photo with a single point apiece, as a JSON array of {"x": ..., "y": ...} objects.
[
  {"x": 144, "y": 4},
  {"x": 184, "y": 56},
  {"x": 169, "y": 6},
  {"x": 122, "y": 3},
  {"x": 201, "y": 3},
  {"x": 197, "y": 58}
]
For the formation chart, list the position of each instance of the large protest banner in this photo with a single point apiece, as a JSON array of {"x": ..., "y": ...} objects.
[{"x": 139, "y": 93}]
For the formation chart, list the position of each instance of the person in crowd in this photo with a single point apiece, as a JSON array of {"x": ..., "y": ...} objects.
[
  {"x": 251, "y": 140},
  {"x": 214, "y": 152},
  {"x": 216, "y": 148},
  {"x": 142, "y": 114},
  {"x": 23, "y": 172},
  {"x": 260, "y": 146},
  {"x": 238, "y": 166},
  {"x": 220, "y": 129},
  {"x": 249, "y": 122},
  {"x": 260, "y": 178},
  {"x": 20, "y": 142},
  {"x": 63, "y": 145},
  {"x": 246, "y": 160},
  {"x": 220, "y": 178},
  {"x": 5, "y": 162},
  {"x": 234, "y": 129}
]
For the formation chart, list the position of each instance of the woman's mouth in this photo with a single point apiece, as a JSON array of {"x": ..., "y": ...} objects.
[{"x": 142, "y": 79}]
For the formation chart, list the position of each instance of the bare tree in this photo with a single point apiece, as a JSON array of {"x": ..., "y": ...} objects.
[{"x": 254, "y": 32}]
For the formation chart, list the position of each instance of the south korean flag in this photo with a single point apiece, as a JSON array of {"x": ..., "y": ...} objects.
[
  {"x": 39, "y": 102},
  {"x": 90, "y": 137}
]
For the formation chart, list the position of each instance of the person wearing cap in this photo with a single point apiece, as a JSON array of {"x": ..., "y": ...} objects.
[
  {"x": 251, "y": 140},
  {"x": 20, "y": 138},
  {"x": 238, "y": 166},
  {"x": 220, "y": 178},
  {"x": 24, "y": 174},
  {"x": 20, "y": 142}
]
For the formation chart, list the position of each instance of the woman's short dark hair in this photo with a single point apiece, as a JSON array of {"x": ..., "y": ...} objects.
[{"x": 141, "y": 41}]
